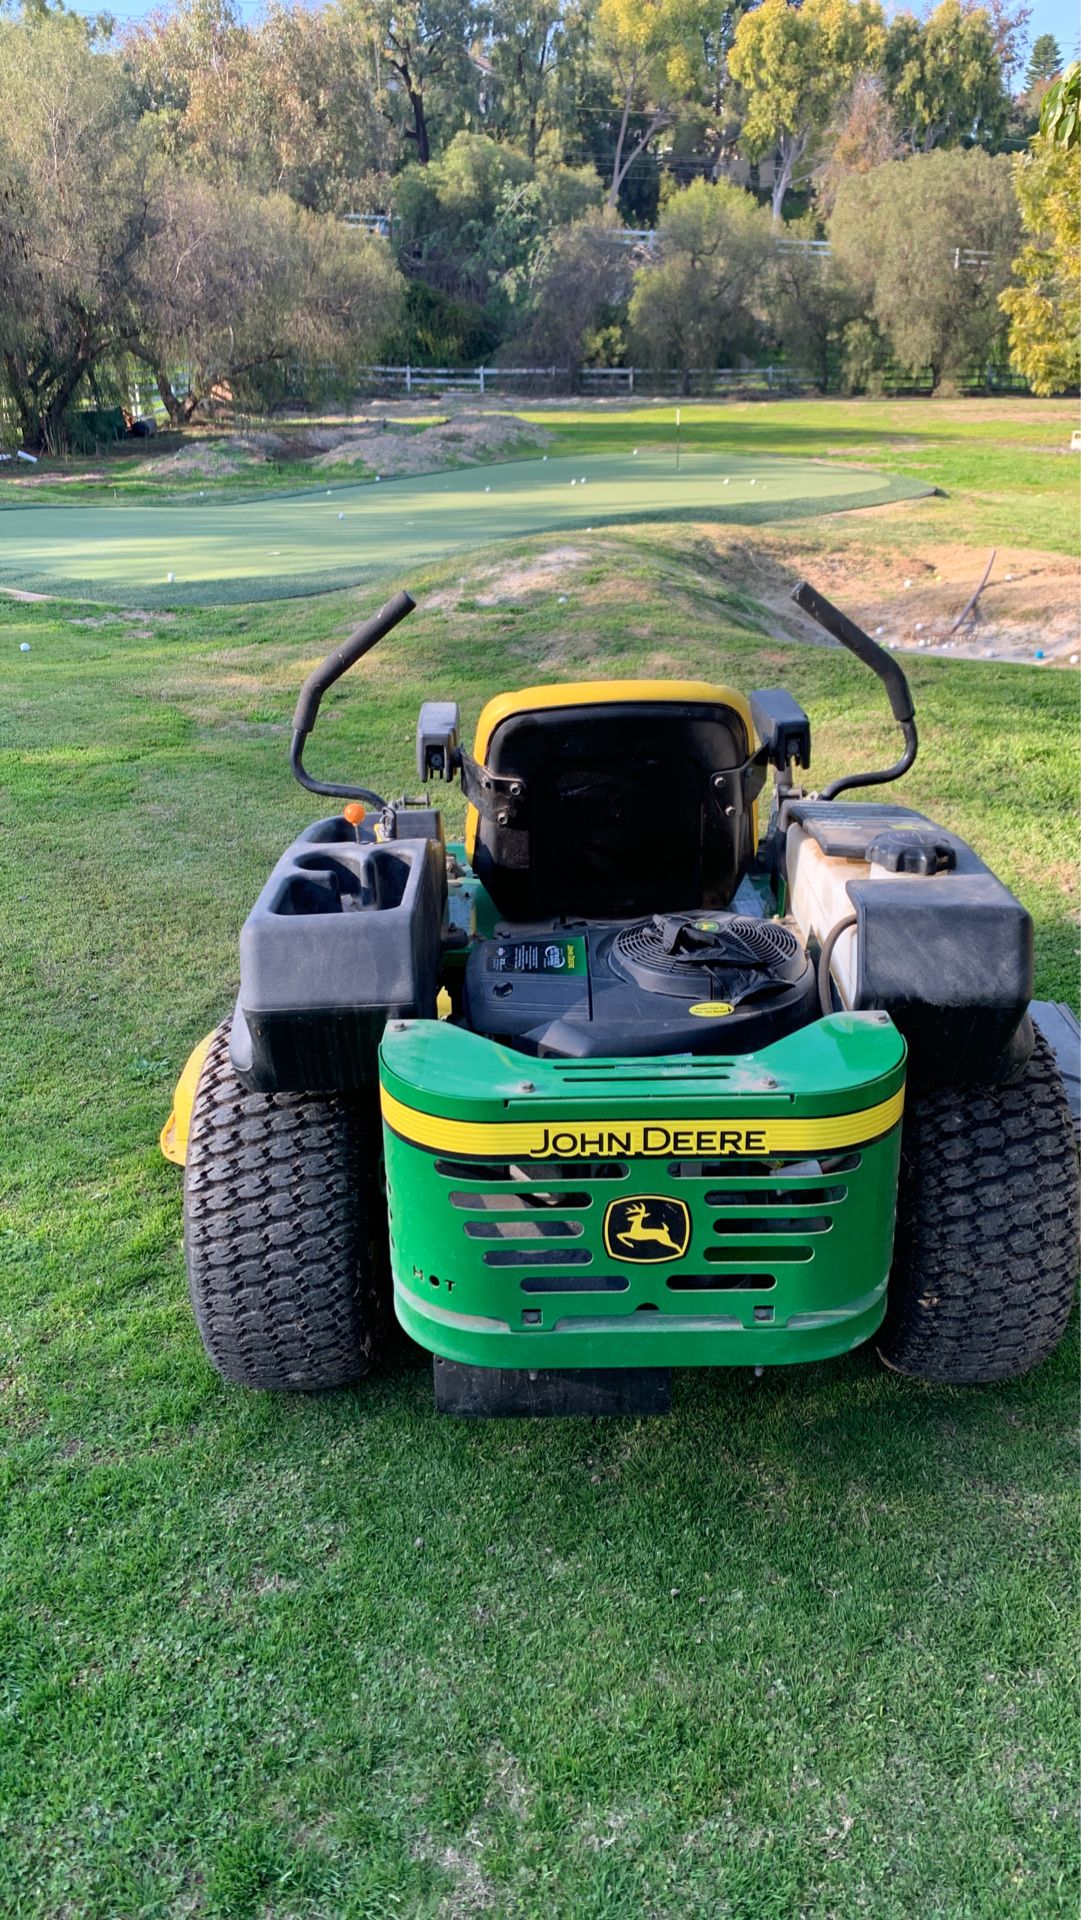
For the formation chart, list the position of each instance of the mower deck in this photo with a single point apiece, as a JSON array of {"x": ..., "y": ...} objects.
[{"x": 506, "y": 1393}]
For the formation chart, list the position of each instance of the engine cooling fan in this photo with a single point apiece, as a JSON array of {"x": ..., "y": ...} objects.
[{"x": 683, "y": 948}]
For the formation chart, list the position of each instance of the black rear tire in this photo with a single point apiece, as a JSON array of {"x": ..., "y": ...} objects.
[
  {"x": 277, "y": 1232},
  {"x": 987, "y": 1230}
]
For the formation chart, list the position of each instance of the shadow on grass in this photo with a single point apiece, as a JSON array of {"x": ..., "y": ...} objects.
[
  {"x": 733, "y": 434},
  {"x": 828, "y": 1422}
]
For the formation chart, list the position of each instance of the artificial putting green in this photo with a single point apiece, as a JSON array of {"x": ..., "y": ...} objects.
[{"x": 203, "y": 551}]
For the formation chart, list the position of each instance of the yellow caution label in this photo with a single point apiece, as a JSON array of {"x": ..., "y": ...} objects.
[{"x": 711, "y": 1009}]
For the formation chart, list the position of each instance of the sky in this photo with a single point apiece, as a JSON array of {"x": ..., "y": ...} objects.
[
  {"x": 1048, "y": 16},
  {"x": 1060, "y": 18}
]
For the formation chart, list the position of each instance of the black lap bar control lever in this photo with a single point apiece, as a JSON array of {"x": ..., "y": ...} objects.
[
  {"x": 360, "y": 642},
  {"x": 880, "y": 662}
]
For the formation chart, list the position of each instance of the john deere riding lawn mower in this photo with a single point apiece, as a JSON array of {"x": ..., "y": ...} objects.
[{"x": 656, "y": 1069}]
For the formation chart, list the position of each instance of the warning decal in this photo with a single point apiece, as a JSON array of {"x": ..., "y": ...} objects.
[{"x": 558, "y": 955}]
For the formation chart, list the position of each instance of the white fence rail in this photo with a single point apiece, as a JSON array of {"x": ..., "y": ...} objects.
[
  {"x": 644, "y": 239},
  {"x": 820, "y": 248},
  {"x": 371, "y": 222},
  {"x": 594, "y": 380}
]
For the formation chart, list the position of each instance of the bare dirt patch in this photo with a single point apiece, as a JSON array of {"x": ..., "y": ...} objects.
[
  {"x": 907, "y": 597},
  {"x": 497, "y": 586},
  {"x": 910, "y": 597},
  {"x": 388, "y": 438},
  {"x": 131, "y": 616},
  {"x": 50, "y": 479}
]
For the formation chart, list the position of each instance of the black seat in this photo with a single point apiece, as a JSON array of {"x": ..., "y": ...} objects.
[{"x": 632, "y": 799}]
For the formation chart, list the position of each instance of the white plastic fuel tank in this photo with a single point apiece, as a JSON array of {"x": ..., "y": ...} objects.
[{"x": 818, "y": 899}]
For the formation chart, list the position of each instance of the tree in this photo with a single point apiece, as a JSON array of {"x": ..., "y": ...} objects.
[
  {"x": 437, "y": 330},
  {"x": 75, "y": 203},
  {"x": 927, "y": 241},
  {"x": 474, "y": 218},
  {"x": 537, "y": 49},
  {"x": 173, "y": 56},
  {"x": 944, "y": 78},
  {"x": 697, "y": 297},
  {"x": 863, "y": 136},
  {"x": 285, "y": 106},
  {"x": 109, "y": 249},
  {"x": 231, "y": 284},
  {"x": 425, "y": 46},
  {"x": 1009, "y": 29},
  {"x": 810, "y": 301},
  {"x": 581, "y": 284},
  {"x": 1044, "y": 62},
  {"x": 1060, "y": 115},
  {"x": 793, "y": 63},
  {"x": 1044, "y": 309},
  {"x": 650, "y": 49},
  {"x": 711, "y": 118}
]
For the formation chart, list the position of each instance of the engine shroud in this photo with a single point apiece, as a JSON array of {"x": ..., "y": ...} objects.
[{"x": 699, "y": 982}]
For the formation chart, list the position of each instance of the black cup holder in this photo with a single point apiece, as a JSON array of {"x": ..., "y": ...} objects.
[
  {"x": 346, "y": 880},
  {"x": 343, "y": 936},
  {"x": 318, "y": 883}
]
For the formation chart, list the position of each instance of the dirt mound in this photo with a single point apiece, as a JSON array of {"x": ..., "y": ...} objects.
[
  {"x": 205, "y": 459},
  {"x": 381, "y": 443},
  {"x": 216, "y": 459},
  {"x": 466, "y": 440}
]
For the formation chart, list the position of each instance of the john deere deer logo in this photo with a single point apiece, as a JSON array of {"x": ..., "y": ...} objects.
[
  {"x": 640, "y": 1229},
  {"x": 649, "y": 1227}
]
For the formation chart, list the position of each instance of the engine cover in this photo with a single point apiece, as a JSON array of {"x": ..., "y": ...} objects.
[{"x": 701, "y": 982}]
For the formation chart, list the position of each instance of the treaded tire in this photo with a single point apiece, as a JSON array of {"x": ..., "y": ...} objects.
[
  {"x": 987, "y": 1230},
  {"x": 276, "y": 1232}
]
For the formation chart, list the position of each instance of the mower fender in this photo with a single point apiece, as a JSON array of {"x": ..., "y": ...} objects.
[
  {"x": 174, "y": 1134},
  {"x": 680, "y": 1210}
]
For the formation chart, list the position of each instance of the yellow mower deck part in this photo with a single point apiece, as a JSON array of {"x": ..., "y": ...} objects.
[{"x": 174, "y": 1134}]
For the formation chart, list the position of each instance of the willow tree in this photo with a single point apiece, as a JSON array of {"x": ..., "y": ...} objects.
[
  {"x": 697, "y": 296},
  {"x": 927, "y": 243},
  {"x": 233, "y": 287},
  {"x": 77, "y": 188}
]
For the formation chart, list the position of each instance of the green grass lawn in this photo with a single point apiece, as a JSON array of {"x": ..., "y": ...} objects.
[
  {"x": 806, "y": 1648},
  {"x": 1004, "y": 466}
]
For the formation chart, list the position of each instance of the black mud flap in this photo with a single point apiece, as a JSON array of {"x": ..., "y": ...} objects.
[{"x": 554, "y": 1392}]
